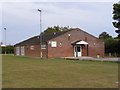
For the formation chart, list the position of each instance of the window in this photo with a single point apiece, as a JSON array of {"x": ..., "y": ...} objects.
[
  {"x": 78, "y": 49},
  {"x": 32, "y": 47},
  {"x": 43, "y": 46},
  {"x": 53, "y": 44}
]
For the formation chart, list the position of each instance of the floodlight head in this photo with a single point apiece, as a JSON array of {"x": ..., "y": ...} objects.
[
  {"x": 4, "y": 28},
  {"x": 39, "y": 10}
]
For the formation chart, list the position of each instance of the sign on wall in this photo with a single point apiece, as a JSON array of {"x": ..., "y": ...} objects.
[{"x": 53, "y": 44}]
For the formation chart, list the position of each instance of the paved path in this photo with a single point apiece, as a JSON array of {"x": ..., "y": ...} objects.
[
  {"x": 103, "y": 59},
  {"x": 90, "y": 58}
]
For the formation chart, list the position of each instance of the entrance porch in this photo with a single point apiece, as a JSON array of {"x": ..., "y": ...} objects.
[{"x": 80, "y": 48}]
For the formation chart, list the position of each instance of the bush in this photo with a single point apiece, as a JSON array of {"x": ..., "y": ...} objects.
[
  {"x": 8, "y": 49},
  {"x": 112, "y": 47}
]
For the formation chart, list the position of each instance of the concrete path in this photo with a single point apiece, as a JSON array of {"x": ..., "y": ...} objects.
[{"x": 91, "y": 58}]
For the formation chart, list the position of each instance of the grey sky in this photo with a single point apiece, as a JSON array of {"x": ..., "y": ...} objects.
[{"x": 22, "y": 18}]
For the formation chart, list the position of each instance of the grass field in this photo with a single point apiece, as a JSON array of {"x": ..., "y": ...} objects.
[{"x": 24, "y": 72}]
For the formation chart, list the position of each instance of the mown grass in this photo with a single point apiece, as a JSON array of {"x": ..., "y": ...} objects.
[{"x": 24, "y": 72}]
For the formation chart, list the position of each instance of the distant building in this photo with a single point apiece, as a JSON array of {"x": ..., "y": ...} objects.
[{"x": 70, "y": 43}]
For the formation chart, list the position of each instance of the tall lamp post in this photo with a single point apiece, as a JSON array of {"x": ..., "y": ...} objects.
[
  {"x": 40, "y": 33},
  {"x": 5, "y": 40}
]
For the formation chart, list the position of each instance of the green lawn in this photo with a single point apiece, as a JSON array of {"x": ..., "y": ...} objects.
[{"x": 24, "y": 72}]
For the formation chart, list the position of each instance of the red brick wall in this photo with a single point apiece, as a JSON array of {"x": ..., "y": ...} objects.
[
  {"x": 95, "y": 45},
  {"x": 32, "y": 53},
  {"x": 84, "y": 50}
]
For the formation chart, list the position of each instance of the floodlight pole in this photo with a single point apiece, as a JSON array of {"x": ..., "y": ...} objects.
[
  {"x": 5, "y": 40},
  {"x": 40, "y": 32}
]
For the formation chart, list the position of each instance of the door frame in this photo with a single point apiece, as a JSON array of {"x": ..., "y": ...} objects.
[
  {"x": 17, "y": 51},
  {"x": 76, "y": 53},
  {"x": 22, "y": 51}
]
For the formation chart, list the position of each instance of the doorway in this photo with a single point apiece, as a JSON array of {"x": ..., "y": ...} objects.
[{"x": 77, "y": 51}]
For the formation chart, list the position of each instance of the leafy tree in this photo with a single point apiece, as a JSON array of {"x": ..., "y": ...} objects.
[
  {"x": 55, "y": 29},
  {"x": 116, "y": 17},
  {"x": 104, "y": 36},
  {"x": 112, "y": 45},
  {"x": 9, "y": 49}
]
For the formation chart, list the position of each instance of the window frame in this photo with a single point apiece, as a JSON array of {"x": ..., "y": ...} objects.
[
  {"x": 32, "y": 47},
  {"x": 43, "y": 46}
]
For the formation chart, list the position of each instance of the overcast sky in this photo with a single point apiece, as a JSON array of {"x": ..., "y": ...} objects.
[{"x": 21, "y": 19}]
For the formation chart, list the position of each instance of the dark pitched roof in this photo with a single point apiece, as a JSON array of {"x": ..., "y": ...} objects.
[{"x": 45, "y": 38}]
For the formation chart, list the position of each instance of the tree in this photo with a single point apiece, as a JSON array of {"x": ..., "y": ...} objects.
[
  {"x": 104, "y": 36},
  {"x": 112, "y": 45},
  {"x": 55, "y": 29},
  {"x": 116, "y": 17},
  {"x": 9, "y": 49}
]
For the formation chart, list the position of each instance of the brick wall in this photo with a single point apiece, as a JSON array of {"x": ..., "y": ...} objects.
[
  {"x": 95, "y": 45},
  {"x": 32, "y": 53}
]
